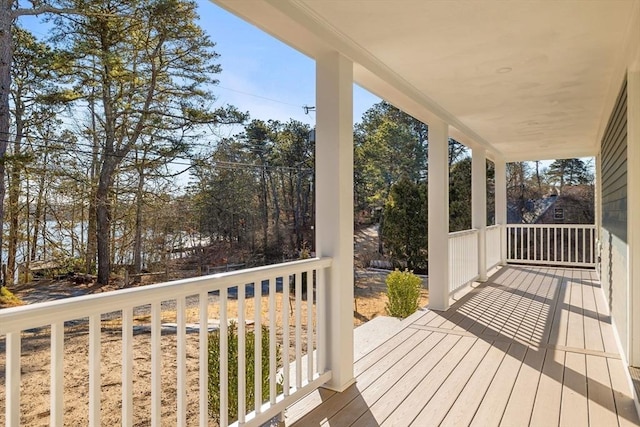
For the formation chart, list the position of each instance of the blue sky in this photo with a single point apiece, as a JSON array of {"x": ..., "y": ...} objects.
[{"x": 262, "y": 75}]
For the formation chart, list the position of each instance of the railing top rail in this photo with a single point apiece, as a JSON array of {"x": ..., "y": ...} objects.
[
  {"x": 493, "y": 227},
  {"x": 463, "y": 233},
  {"x": 17, "y": 319},
  {"x": 585, "y": 226}
]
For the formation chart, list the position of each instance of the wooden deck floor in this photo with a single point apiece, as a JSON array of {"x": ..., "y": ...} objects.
[{"x": 532, "y": 346}]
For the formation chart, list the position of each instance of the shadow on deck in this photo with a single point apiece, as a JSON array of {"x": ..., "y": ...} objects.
[{"x": 531, "y": 346}]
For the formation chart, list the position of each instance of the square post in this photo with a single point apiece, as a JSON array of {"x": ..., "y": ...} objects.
[
  {"x": 597, "y": 199},
  {"x": 334, "y": 209},
  {"x": 501, "y": 206},
  {"x": 479, "y": 206},
  {"x": 438, "y": 222}
]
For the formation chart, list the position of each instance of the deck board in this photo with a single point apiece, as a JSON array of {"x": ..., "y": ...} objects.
[
  {"x": 420, "y": 396},
  {"x": 463, "y": 410},
  {"x": 575, "y": 323},
  {"x": 437, "y": 408},
  {"x": 531, "y": 346},
  {"x": 574, "y": 409},
  {"x": 520, "y": 405},
  {"x": 382, "y": 408},
  {"x": 495, "y": 401},
  {"x": 546, "y": 408},
  {"x": 396, "y": 376},
  {"x": 592, "y": 332},
  {"x": 602, "y": 408}
]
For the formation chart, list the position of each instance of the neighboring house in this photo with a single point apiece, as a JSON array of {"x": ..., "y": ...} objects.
[{"x": 575, "y": 205}]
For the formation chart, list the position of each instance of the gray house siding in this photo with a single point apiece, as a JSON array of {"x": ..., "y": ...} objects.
[{"x": 613, "y": 265}]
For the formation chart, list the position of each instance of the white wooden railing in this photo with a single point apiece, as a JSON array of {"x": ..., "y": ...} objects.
[
  {"x": 493, "y": 242},
  {"x": 553, "y": 244},
  {"x": 463, "y": 258},
  {"x": 305, "y": 372}
]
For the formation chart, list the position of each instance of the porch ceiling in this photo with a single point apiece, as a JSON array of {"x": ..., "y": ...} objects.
[{"x": 526, "y": 79}]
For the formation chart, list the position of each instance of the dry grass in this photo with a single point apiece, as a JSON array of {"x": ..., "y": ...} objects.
[{"x": 369, "y": 302}]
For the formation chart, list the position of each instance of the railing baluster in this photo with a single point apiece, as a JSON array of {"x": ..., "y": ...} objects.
[
  {"x": 451, "y": 278},
  {"x": 181, "y": 360},
  {"x": 286, "y": 303},
  {"x": 124, "y": 303},
  {"x": 573, "y": 249},
  {"x": 562, "y": 244},
  {"x": 584, "y": 245},
  {"x": 94, "y": 370},
  {"x": 320, "y": 315},
  {"x": 127, "y": 366},
  {"x": 156, "y": 365},
  {"x": 592, "y": 246},
  {"x": 272, "y": 341},
  {"x": 310, "y": 325},
  {"x": 257, "y": 317},
  {"x": 298, "y": 330},
  {"x": 224, "y": 359},
  {"x": 549, "y": 243},
  {"x": 12, "y": 379},
  {"x": 203, "y": 300},
  {"x": 57, "y": 373},
  {"x": 242, "y": 356}
]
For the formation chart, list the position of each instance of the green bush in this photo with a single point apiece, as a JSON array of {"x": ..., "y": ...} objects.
[
  {"x": 214, "y": 370},
  {"x": 7, "y": 299},
  {"x": 403, "y": 291}
]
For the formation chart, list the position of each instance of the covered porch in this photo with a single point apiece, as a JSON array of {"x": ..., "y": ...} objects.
[
  {"x": 513, "y": 81},
  {"x": 531, "y": 346}
]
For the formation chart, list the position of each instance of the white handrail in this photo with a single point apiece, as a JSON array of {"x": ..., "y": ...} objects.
[
  {"x": 17, "y": 319},
  {"x": 493, "y": 243},
  {"x": 463, "y": 258},
  {"x": 13, "y": 321},
  {"x": 552, "y": 244}
]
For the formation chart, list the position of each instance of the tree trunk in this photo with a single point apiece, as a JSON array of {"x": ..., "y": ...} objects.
[
  {"x": 6, "y": 55},
  {"x": 298, "y": 211},
  {"x": 137, "y": 244},
  {"x": 14, "y": 212},
  {"x": 14, "y": 190},
  {"x": 103, "y": 219},
  {"x": 276, "y": 209},
  {"x": 27, "y": 251},
  {"x": 265, "y": 213},
  {"x": 92, "y": 226},
  {"x": 38, "y": 219}
]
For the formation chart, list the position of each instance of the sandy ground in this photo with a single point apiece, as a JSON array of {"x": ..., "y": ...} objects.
[{"x": 369, "y": 302}]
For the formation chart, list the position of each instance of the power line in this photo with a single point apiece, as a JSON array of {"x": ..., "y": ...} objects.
[
  {"x": 259, "y": 96},
  {"x": 218, "y": 163}
]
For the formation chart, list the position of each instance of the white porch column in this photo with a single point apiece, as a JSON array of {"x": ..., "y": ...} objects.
[
  {"x": 479, "y": 206},
  {"x": 501, "y": 206},
  {"x": 334, "y": 208},
  {"x": 438, "y": 215},
  {"x": 633, "y": 207},
  {"x": 597, "y": 198}
]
